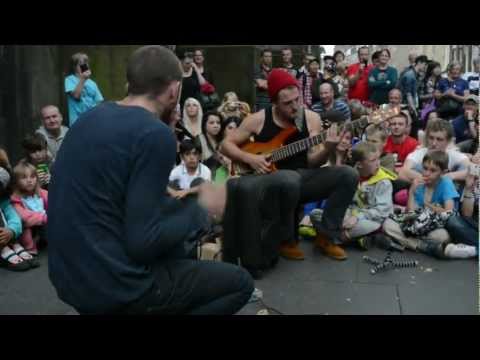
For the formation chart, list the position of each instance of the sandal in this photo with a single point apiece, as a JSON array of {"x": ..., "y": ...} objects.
[
  {"x": 6, "y": 263},
  {"x": 34, "y": 262},
  {"x": 24, "y": 258}
]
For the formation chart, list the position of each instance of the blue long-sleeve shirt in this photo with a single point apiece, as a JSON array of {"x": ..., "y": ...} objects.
[
  {"x": 11, "y": 218},
  {"x": 109, "y": 215}
]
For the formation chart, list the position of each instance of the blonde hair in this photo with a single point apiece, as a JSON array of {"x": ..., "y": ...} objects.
[
  {"x": 20, "y": 171},
  {"x": 229, "y": 95},
  {"x": 4, "y": 161},
  {"x": 373, "y": 129},
  {"x": 361, "y": 151},
  {"x": 186, "y": 120},
  {"x": 76, "y": 60}
]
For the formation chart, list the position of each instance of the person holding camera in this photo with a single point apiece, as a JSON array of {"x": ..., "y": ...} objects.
[
  {"x": 82, "y": 92},
  {"x": 358, "y": 76}
]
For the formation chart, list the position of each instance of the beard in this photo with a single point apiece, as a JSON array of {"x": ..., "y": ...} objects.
[{"x": 167, "y": 114}]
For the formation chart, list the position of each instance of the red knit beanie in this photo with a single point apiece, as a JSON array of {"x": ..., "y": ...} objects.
[{"x": 278, "y": 80}]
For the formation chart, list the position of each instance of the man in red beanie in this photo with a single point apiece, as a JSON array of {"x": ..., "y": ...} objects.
[{"x": 337, "y": 184}]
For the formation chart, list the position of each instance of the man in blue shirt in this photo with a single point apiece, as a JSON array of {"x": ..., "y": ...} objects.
[
  {"x": 464, "y": 125},
  {"x": 82, "y": 92},
  {"x": 118, "y": 244}
]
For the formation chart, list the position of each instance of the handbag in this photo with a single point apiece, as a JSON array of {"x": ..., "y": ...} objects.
[
  {"x": 427, "y": 109},
  {"x": 421, "y": 221},
  {"x": 448, "y": 107}
]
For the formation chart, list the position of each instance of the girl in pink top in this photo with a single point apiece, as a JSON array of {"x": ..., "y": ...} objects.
[{"x": 30, "y": 202}]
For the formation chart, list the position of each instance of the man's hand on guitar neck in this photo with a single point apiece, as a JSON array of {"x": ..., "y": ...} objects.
[{"x": 259, "y": 163}]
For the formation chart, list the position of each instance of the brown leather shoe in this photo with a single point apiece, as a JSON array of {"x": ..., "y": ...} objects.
[
  {"x": 331, "y": 250},
  {"x": 291, "y": 251}
]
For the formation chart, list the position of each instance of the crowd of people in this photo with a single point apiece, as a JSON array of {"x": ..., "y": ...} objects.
[
  {"x": 406, "y": 181},
  {"x": 437, "y": 114}
]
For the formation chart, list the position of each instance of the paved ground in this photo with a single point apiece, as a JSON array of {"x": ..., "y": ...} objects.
[{"x": 315, "y": 286}]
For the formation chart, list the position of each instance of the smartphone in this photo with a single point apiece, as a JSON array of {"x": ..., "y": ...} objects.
[{"x": 84, "y": 67}]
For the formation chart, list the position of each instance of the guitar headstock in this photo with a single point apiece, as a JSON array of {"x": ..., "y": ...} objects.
[{"x": 383, "y": 113}]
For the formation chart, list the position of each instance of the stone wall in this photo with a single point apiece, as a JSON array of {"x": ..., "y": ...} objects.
[{"x": 31, "y": 81}]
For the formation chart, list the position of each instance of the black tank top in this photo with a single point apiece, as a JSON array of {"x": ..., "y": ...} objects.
[{"x": 271, "y": 129}]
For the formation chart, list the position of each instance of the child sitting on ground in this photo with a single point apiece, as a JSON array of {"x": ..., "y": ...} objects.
[
  {"x": 372, "y": 202},
  {"x": 12, "y": 255},
  {"x": 186, "y": 178},
  {"x": 36, "y": 153},
  {"x": 376, "y": 135},
  {"x": 435, "y": 192},
  {"x": 30, "y": 202}
]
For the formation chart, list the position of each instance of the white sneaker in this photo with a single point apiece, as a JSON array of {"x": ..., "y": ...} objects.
[{"x": 460, "y": 251}]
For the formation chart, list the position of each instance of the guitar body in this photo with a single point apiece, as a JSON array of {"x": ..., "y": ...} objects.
[
  {"x": 259, "y": 148},
  {"x": 278, "y": 149}
]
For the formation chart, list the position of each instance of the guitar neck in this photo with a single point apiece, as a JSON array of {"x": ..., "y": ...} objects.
[{"x": 305, "y": 144}]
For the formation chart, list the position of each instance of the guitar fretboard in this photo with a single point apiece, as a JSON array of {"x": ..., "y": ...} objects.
[{"x": 305, "y": 144}]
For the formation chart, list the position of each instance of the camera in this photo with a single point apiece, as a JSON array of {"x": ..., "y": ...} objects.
[
  {"x": 331, "y": 68},
  {"x": 84, "y": 68}
]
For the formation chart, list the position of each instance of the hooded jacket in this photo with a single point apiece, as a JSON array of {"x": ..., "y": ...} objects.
[{"x": 373, "y": 200}]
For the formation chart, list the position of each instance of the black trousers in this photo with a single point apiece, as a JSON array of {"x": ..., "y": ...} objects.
[
  {"x": 193, "y": 287},
  {"x": 336, "y": 184}
]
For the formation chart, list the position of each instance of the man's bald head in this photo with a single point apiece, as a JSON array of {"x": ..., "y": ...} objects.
[{"x": 51, "y": 118}]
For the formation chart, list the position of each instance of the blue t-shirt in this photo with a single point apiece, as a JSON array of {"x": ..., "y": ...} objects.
[
  {"x": 89, "y": 97},
  {"x": 462, "y": 131},
  {"x": 34, "y": 203},
  {"x": 444, "y": 191},
  {"x": 459, "y": 85}
]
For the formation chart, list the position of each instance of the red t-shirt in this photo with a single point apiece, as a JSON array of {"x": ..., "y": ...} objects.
[
  {"x": 360, "y": 89},
  {"x": 403, "y": 149}
]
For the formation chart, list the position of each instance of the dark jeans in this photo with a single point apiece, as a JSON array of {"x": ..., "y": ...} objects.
[
  {"x": 463, "y": 230},
  {"x": 399, "y": 185},
  {"x": 337, "y": 184},
  {"x": 284, "y": 185},
  {"x": 195, "y": 182},
  {"x": 191, "y": 287}
]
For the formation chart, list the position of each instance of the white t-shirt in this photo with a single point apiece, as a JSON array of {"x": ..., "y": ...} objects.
[
  {"x": 473, "y": 79},
  {"x": 455, "y": 159},
  {"x": 185, "y": 179}
]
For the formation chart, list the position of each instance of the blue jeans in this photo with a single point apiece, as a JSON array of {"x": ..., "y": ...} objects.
[
  {"x": 193, "y": 287},
  {"x": 463, "y": 230}
]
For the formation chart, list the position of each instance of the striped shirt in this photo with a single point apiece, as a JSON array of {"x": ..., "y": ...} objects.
[{"x": 338, "y": 105}]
